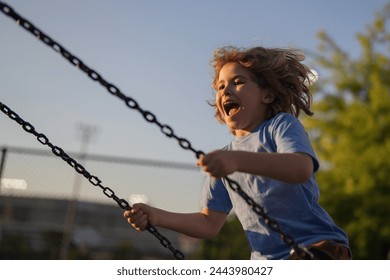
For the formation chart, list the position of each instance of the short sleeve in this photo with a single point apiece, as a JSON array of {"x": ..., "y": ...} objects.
[
  {"x": 291, "y": 137},
  {"x": 215, "y": 196}
]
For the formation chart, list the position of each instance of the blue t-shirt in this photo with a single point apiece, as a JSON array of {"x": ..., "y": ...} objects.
[{"x": 294, "y": 206}]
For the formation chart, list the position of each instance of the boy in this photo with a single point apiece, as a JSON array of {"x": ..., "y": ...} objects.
[{"x": 260, "y": 92}]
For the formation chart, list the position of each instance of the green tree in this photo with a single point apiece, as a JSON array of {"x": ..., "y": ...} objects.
[
  {"x": 351, "y": 134},
  {"x": 126, "y": 251},
  {"x": 230, "y": 244},
  {"x": 16, "y": 247}
]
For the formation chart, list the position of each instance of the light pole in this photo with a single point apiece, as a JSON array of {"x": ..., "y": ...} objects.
[{"x": 87, "y": 132}]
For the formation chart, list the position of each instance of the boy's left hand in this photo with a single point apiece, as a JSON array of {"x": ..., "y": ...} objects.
[{"x": 218, "y": 163}]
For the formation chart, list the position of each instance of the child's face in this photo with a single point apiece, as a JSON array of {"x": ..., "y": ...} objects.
[{"x": 240, "y": 101}]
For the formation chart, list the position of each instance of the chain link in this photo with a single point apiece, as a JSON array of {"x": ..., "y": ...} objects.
[
  {"x": 151, "y": 118},
  {"x": 43, "y": 139}
]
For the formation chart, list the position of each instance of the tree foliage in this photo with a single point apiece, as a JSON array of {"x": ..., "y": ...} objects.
[
  {"x": 350, "y": 132},
  {"x": 230, "y": 244},
  {"x": 351, "y": 135}
]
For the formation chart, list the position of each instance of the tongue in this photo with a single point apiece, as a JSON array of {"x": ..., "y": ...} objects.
[{"x": 233, "y": 110}]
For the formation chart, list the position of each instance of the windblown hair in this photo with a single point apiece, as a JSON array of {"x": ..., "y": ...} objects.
[{"x": 275, "y": 69}]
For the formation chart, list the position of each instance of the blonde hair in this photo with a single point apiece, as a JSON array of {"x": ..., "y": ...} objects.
[{"x": 275, "y": 69}]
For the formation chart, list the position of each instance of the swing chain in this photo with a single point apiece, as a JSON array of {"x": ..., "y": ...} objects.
[
  {"x": 95, "y": 76},
  {"x": 303, "y": 253},
  {"x": 81, "y": 170},
  {"x": 149, "y": 117}
]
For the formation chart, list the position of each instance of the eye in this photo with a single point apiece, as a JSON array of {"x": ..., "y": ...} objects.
[
  {"x": 238, "y": 82},
  {"x": 220, "y": 87}
]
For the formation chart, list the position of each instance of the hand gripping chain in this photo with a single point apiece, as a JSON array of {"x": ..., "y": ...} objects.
[
  {"x": 81, "y": 170},
  {"x": 151, "y": 118}
]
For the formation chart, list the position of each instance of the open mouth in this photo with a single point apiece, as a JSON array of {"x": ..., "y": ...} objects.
[{"x": 231, "y": 108}]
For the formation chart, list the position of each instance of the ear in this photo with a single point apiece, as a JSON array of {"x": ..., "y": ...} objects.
[{"x": 268, "y": 97}]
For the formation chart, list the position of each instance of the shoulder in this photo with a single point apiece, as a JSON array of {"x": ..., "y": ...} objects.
[
  {"x": 290, "y": 136},
  {"x": 282, "y": 119},
  {"x": 282, "y": 123}
]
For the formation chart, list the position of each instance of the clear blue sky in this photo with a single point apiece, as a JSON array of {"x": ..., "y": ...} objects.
[{"x": 157, "y": 52}]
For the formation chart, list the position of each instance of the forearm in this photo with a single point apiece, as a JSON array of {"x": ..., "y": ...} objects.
[
  {"x": 287, "y": 167},
  {"x": 197, "y": 225}
]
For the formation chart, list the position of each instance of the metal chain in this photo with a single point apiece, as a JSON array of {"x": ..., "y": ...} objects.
[
  {"x": 149, "y": 117},
  {"x": 301, "y": 252},
  {"x": 43, "y": 139}
]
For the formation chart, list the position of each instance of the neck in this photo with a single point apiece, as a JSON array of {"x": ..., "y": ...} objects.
[
  {"x": 241, "y": 132},
  {"x": 246, "y": 131}
]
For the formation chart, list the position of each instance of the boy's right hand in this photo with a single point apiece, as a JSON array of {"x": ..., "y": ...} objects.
[{"x": 140, "y": 216}]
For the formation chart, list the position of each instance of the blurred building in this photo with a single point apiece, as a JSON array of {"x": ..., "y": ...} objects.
[
  {"x": 100, "y": 232},
  {"x": 35, "y": 203}
]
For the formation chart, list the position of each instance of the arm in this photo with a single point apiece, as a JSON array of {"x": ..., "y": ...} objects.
[
  {"x": 205, "y": 224},
  {"x": 286, "y": 167}
]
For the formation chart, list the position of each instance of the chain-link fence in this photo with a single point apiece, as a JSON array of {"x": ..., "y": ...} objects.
[
  {"x": 43, "y": 199},
  {"x": 38, "y": 173}
]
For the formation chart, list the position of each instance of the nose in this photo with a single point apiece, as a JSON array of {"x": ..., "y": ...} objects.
[{"x": 227, "y": 91}]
